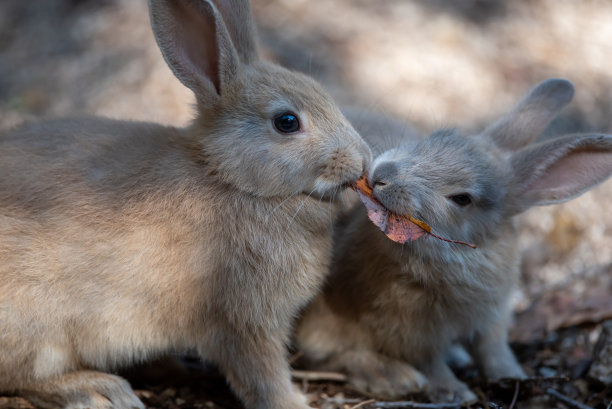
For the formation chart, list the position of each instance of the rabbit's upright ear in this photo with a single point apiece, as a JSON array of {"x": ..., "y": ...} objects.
[
  {"x": 559, "y": 169},
  {"x": 530, "y": 117},
  {"x": 204, "y": 42}
]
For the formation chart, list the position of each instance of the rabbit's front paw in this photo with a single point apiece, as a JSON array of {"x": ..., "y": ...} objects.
[
  {"x": 444, "y": 385},
  {"x": 389, "y": 379},
  {"x": 510, "y": 369},
  {"x": 456, "y": 393},
  {"x": 298, "y": 399},
  {"x": 295, "y": 400},
  {"x": 498, "y": 361},
  {"x": 84, "y": 390}
]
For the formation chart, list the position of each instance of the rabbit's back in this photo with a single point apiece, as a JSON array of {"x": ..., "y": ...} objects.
[{"x": 57, "y": 161}]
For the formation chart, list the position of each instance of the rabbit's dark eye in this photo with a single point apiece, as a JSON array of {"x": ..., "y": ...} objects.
[
  {"x": 287, "y": 122},
  {"x": 462, "y": 199}
]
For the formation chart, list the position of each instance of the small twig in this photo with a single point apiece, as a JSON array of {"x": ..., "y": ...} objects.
[
  {"x": 568, "y": 401},
  {"x": 398, "y": 404},
  {"x": 318, "y": 376},
  {"x": 515, "y": 397},
  {"x": 362, "y": 404},
  {"x": 609, "y": 405},
  {"x": 555, "y": 378},
  {"x": 343, "y": 401},
  {"x": 530, "y": 379},
  {"x": 416, "y": 405}
]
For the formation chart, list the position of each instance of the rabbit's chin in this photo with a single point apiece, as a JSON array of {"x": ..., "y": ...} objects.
[{"x": 328, "y": 191}]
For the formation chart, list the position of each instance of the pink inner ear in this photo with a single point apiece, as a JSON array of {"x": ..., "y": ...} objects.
[
  {"x": 196, "y": 43},
  {"x": 571, "y": 176}
]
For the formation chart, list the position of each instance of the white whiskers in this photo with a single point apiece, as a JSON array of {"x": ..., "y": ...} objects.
[
  {"x": 278, "y": 206},
  {"x": 300, "y": 207},
  {"x": 331, "y": 202}
]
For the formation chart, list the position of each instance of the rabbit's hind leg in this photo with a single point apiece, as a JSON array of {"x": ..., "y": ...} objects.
[{"x": 82, "y": 389}]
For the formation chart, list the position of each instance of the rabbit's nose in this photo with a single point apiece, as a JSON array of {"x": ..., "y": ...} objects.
[{"x": 383, "y": 174}]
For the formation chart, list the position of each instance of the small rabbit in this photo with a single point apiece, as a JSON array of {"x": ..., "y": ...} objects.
[
  {"x": 121, "y": 241},
  {"x": 390, "y": 312}
]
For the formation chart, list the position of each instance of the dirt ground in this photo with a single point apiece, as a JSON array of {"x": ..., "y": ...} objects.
[{"x": 433, "y": 63}]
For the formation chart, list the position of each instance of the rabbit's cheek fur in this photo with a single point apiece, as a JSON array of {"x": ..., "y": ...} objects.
[{"x": 295, "y": 166}]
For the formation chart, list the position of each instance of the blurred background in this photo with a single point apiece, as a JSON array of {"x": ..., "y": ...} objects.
[{"x": 432, "y": 62}]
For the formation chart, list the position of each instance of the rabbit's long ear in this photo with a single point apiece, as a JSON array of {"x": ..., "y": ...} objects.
[
  {"x": 240, "y": 24},
  {"x": 530, "y": 117},
  {"x": 559, "y": 169},
  {"x": 204, "y": 41}
]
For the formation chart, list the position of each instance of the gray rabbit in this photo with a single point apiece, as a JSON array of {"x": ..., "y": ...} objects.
[
  {"x": 390, "y": 312},
  {"x": 120, "y": 241}
]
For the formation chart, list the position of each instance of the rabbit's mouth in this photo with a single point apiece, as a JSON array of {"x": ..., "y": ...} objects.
[{"x": 391, "y": 203}]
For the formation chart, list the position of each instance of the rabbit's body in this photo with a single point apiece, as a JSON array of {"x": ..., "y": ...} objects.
[
  {"x": 389, "y": 313},
  {"x": 436, "y": 308},
  {"x": 121, "y": 229},
  {"x": 406, "y": 304},
  {"x": 116, "y": 255},
  {"x": 120, "y": 241}
]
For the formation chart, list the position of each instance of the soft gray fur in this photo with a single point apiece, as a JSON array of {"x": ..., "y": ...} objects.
[
  {"x": 390, "y": 312},
  {"x": 120, "y": 241}
]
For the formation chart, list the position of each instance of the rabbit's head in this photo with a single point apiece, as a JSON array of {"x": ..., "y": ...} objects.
[
  {"x": 466, "y": 187},
  {"x": 260, "y": 128}
]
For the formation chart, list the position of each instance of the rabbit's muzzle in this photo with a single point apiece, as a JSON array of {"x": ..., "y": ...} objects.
[{"x": 345, "y": 165}]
